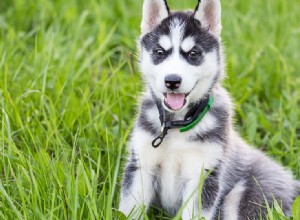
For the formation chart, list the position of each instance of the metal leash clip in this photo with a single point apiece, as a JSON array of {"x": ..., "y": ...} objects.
[{"x": 163, "y": 132}]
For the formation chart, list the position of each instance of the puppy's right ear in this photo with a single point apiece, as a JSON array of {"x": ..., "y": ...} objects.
[{"x": 154, "y": 11}]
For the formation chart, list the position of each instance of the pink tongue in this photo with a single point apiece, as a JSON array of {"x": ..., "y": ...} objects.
[{"x": 175, "y": 101}]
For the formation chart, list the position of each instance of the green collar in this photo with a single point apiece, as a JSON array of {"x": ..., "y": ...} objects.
[{"x": 200, "y": 116}]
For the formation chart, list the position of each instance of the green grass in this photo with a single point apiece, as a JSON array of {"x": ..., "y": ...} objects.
[{"x": 69, "y": 85}]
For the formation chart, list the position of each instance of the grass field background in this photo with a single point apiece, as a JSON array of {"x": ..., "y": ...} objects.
[{"x": 69, "y": 85}]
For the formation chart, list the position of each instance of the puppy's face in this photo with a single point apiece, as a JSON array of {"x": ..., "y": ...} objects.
[{"x": 180, "y": 56}]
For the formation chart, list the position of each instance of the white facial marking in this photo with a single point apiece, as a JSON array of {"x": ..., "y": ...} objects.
[
  {"x": 187, "y": 44},
  {"x": 165, "y": 42},
  {"x": 176, "y": 34}
]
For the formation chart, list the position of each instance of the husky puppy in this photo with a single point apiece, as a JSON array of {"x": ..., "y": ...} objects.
[{"x": 183, "y": 138}]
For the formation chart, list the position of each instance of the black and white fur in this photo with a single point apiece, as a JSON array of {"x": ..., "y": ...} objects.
[{"x": 239, "y": 178}]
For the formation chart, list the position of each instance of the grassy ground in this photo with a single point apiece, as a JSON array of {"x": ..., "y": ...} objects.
[{"x": 69, "y": 84}]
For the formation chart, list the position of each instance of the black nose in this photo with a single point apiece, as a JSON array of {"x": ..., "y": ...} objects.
[{"x": 173, "y": 81}]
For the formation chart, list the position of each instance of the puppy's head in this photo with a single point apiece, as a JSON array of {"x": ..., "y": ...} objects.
[{"x": 180, "y": 55}]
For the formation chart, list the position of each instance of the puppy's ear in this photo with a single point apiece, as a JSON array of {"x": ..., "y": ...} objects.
[
  {"x": 208, "y": 12},
  {"x": 154, "y": 11}
]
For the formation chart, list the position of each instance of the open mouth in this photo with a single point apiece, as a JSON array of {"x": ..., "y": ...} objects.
[{"x": 175, "y": 101}]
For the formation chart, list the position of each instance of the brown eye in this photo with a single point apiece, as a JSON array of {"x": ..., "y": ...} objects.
[
  {"x": 194, "y": 54},
  {"x": 159, "y": 52}
]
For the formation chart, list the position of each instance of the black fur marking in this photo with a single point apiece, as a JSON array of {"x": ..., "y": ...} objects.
[
  {"x": 147, "y": 104},
  {"x": 195, "y": 61},
  {"x": 192, "y": 28},
  {"x": 129, "y": 173},
  {"x": 202, "y": 37},
  {"x": 157, "y": 59},
  {"x": 143, "y": 120},
  {"x": 210, "y": 189},
  {"x": 219, "y": 133},
  {"x": 215, "y": 135},
  {"x": 151, "y": 39},
  {"x": 249, "y": 204}
]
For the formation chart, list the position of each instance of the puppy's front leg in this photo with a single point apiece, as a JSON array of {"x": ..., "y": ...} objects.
[
  {"x": 137, "y": 191},
  {"x": 190, "y": 200}
]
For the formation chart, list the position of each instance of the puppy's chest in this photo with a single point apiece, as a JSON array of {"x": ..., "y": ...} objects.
[
  {"x": 175, "y": 162},
  {"x": 179, "y": 157}
]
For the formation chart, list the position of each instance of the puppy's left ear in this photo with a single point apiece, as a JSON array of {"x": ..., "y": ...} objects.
[
  {"x": 208, "y": 12},
  {"x": 154, "y": 11}
]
